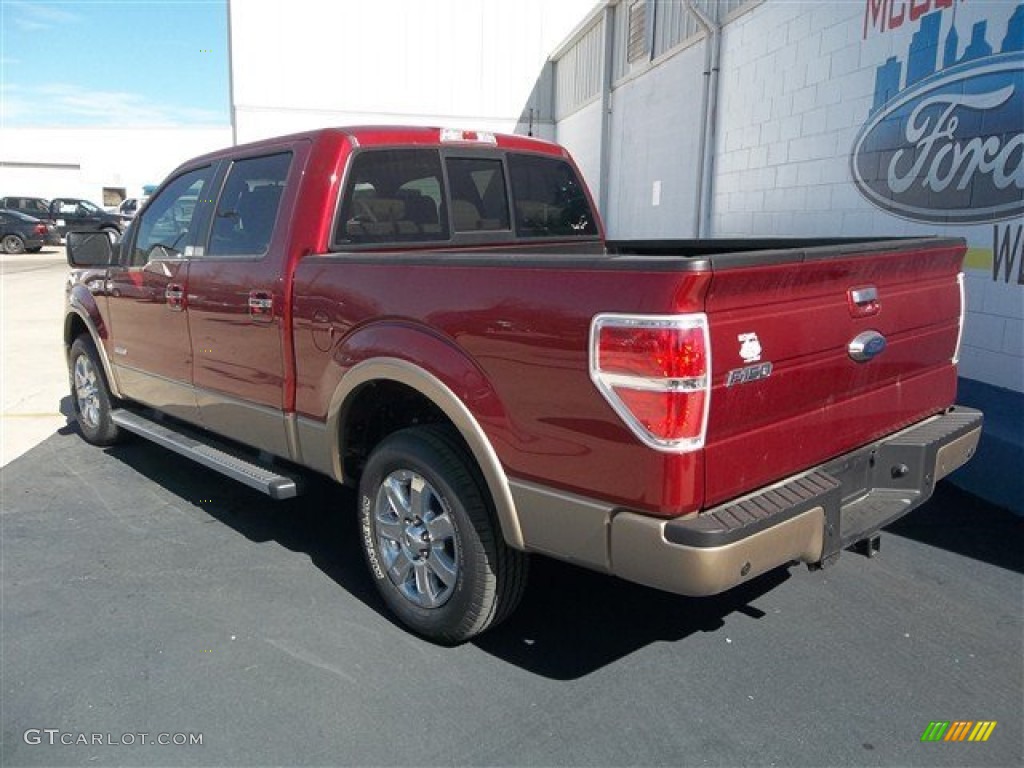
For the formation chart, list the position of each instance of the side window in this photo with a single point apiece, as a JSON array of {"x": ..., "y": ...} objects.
[
  {"x": 247, "y": 208},
  {"x": 393, "y": 195},
  {"x": 479, "y": 201},
  {"x": 164, "y": 230},
  {"x": 549, "y": 199}
]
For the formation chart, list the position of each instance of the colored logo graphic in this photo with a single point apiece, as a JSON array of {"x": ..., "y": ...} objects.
[
  {"x": 958, "y": 730},
  {"x": 946, "y": 145}
]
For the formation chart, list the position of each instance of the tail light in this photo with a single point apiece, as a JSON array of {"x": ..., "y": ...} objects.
[
  {"x": 963, "y": 317},
  {"x": 655, "y": 371},
  {"x": 40, "y": 229}
]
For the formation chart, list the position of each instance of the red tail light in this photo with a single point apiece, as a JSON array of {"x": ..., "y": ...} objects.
[
  {"x": 655, "y": 371},
  {"x": 40, "y": 229}
]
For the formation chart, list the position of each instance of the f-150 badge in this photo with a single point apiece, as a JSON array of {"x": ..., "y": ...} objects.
[
  {"x": 750, "y": 351},
  {"x": 750, "y": 347}
]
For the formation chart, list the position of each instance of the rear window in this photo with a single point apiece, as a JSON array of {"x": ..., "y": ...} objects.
[
  {"x": 479, "y": 197},
  {"x": 550, "y": 200},
  {"x": 422, "y": 195},
  {"x": 393, "y": 195}
]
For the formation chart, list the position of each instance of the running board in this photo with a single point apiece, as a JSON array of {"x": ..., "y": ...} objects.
[{"x": 188, "y": 444}]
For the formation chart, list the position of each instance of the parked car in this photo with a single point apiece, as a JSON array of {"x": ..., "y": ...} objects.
[
  {"x": 130, "y": 206},
  {"x": 20, "y": 233},
  {"x": 68, "y": 213},
  {"x": 74, "y": 214},
  {"x": 435, "y": 318},
  {"x": 37, "y": 207}
]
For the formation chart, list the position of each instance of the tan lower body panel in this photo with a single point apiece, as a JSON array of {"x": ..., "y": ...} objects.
[
  {"x": 563, "y": 525},
  {"x": 956, "y": 454},
  {"x": 640, "y": 553}
]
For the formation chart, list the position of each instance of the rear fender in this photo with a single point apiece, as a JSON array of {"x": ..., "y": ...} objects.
[{"x": 442, "y": 373}]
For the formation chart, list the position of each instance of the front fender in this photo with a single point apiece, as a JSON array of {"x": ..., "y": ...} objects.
[{"x": 83, "y": 310}]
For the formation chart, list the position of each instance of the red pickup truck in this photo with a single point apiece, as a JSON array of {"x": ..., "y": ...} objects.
[{"x": 434, "y": 317}]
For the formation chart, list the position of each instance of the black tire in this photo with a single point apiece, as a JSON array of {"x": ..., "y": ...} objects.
[
  {"x": 90, "y": 395},
  {"x": 12, "y": 243},
  {"x": 486, "y": 577}
]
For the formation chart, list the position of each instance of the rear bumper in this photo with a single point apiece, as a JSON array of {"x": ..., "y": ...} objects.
[{"x": 809, "y": 517}]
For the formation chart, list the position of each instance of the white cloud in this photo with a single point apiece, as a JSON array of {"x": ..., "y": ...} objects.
[
  {"x": 36, "y": 17},
  {"x": 61, "y": 104}
]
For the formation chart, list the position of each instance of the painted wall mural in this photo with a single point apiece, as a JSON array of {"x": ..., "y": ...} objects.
[{"x": 944, "y": 140}]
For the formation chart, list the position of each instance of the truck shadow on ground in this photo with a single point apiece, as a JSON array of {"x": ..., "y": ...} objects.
[
  {"x": 960, "y": 522},
  {"x": 570, "y": 623}
]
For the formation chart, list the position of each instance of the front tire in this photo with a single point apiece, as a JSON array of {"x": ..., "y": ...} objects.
[
  {"x": 90, "y": 394},
  {"x": 431, "y": 539}
]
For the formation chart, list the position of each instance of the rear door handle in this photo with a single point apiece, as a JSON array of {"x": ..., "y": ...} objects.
[
  {"x": 261, "y": 306},
  {"x": 175, "y": 296}
]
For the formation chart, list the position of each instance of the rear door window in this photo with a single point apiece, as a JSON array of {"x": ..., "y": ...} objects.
[
  {"x": 393, "y": 196},
  {"x": 247, "y": 208},
  {"x": 549, "y": 198}
]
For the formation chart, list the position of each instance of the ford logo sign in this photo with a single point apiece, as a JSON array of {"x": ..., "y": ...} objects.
[
  {"x": 950, "y": 148},
  {"x": 866, "y": 346}
]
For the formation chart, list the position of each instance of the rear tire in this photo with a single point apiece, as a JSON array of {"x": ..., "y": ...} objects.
[
  {"x": 12, "y": 244},
  {"x": 90, "y": 394},
  {"x": 431, "y": 538}
]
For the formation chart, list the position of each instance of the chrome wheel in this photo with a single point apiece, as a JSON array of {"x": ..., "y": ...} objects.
[
  {"x": 86, "y": 392},
  {"x": 415, "y": 539}
]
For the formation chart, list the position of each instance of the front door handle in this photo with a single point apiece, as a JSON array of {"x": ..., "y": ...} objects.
[{"x": 175, "y": 296}]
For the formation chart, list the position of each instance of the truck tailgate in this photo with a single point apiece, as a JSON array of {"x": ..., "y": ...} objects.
[{"x": 786, "y": 327}]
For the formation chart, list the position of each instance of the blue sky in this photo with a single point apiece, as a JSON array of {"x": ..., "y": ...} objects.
[{"x": 113, "y": 63}]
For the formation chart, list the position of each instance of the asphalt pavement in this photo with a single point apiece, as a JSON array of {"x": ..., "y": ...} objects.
[
  {"x": 147, "y": 598},
  {"x": 144, "y": 599}
]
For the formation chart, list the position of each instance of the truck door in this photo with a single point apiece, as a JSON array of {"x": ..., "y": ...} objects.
[
  {"x": 151, "y": 349},
  {"x": 237, "y": 294}
]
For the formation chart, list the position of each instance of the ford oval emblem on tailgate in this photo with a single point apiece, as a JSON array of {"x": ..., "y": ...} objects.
[{"x": 866, "y": 346}]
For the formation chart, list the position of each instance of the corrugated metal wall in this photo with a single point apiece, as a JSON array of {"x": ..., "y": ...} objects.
[
  {"x": 667, "y": 25},
  {"x": 578, "y": 71}
]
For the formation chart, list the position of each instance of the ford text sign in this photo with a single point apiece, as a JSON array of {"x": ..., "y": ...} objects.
[{"x": 950, "y": 148}]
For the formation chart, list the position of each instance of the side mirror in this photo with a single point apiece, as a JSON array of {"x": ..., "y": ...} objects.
[{"x": 89, "y": 249}]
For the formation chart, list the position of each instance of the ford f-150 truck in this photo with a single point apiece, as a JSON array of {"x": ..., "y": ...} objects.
[{"x": 434, "y": 317}]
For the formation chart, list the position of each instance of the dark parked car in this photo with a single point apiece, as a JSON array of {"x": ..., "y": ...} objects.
[
  {"x": 36, "y": 207},
  {"x": 67, "y": 214},
  {"x": 72, "y": 214},
  {"x": 20, "y": 233}
]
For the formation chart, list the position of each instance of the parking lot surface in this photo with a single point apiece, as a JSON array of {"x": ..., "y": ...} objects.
[{"x": 145, "y": 595}]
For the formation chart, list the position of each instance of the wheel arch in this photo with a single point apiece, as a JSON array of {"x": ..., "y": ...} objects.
[
  {"x": 78, "y": 320},
  {"x": 392, "y": 371}
]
